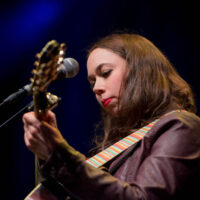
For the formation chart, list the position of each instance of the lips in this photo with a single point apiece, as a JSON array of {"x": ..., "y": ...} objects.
[{"x": 105, "y": 102}]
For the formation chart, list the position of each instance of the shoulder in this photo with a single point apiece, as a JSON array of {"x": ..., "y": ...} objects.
[
  {"x": 177, "y": 132},
  {"x": 187, "y": 119},
  {"x": 184, "y": 120}
]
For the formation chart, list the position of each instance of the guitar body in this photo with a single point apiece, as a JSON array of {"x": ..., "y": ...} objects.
[
  {"x": 48, "y": 190},
  {"x": 41, "y": 193}
]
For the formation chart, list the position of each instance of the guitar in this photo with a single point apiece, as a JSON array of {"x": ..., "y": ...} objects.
[{"x": 46, "y": 71}]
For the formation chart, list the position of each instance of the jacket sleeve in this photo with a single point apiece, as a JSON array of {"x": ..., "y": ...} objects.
[{"x": 170, "y": 166}]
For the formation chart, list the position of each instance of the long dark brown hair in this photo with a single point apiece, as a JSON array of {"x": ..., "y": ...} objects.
[{"x": 152, "y": 88}]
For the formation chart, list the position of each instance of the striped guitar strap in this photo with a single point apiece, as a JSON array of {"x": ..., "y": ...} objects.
[{"x": 111, "y": 152}]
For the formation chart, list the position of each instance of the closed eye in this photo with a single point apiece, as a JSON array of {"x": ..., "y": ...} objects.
[
  {"x": 106, "y": 73},
  {"x": 103, "y": 74}
]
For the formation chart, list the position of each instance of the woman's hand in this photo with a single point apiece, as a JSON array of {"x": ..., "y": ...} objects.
[{"x": 41, "y": 136}]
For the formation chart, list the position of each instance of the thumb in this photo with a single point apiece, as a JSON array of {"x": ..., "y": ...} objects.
[
  {"x": 50, "y": 118},
  {"x": 51, "y": 131}
]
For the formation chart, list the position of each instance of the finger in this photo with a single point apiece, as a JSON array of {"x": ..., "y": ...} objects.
[
  {"x": 47, "y": 128},
  {"x": 27, "y": 143},
  {"x": 35, "y": 145},
  {"x": 30, "y": 141},
  {"x": 29, "y": 118},
  {"x": 34, "y": 148},
  {"x": 51, "y": 118},
  {"x": 33, "y": 135}
]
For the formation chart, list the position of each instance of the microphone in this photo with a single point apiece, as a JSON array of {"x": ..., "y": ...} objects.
[{"x": 67, "y": 69}]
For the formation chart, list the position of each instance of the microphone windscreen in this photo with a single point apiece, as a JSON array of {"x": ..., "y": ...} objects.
[{"x": 68, "y": 69}]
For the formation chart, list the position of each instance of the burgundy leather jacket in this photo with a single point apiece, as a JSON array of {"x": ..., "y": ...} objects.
[{"x": 165, "y": 164}]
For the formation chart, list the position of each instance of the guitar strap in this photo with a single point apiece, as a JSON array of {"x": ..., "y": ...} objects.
[{"x": 114, "y": 150}]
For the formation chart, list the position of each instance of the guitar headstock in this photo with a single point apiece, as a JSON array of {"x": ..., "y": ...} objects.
[{"x": 49, "y": 59}]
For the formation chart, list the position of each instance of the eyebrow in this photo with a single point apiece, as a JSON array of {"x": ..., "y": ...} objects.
[{"x": 98, "y": 68}]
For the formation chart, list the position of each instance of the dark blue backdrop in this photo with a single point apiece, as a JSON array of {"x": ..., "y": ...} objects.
[{"x": 26, "y": 26}]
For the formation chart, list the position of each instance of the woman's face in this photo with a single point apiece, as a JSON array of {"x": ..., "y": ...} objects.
[{"x": 106, "y": 73}]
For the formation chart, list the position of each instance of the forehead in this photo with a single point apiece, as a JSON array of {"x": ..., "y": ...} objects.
[{"x": 101, "y": 56}]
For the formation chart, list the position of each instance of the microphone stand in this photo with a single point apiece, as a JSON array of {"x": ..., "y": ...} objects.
[
  {"x": 28, "y": 106},
  {"x": 16, "y": 96},
  {"x": 26, "y": 90}
]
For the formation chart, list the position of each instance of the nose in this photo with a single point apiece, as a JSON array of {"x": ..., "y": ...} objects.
[{"x": 99, "y": 87}]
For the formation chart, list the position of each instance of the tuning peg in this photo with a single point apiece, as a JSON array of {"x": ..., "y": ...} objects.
[
  {"x": 34, "y": 71},
  {"x": 37, "y": 55},
  {"x": 60, "y": 60},
  {"x": 63, "y": 45},
  {"x": 36, "y": 63},
  {"x": 38, "y": 82},
  {"x": 31, "y": 80},
  {"x": 61, "y": 52},
  {"x": 35, "y": 88}
]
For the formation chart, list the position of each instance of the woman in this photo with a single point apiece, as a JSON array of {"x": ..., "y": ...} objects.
[{"x": 135, "y": 84}]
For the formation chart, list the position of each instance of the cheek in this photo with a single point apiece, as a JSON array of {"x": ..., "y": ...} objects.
[
  {"x": 116, "y": 84},
  {"x": 98, "y": 99}
]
